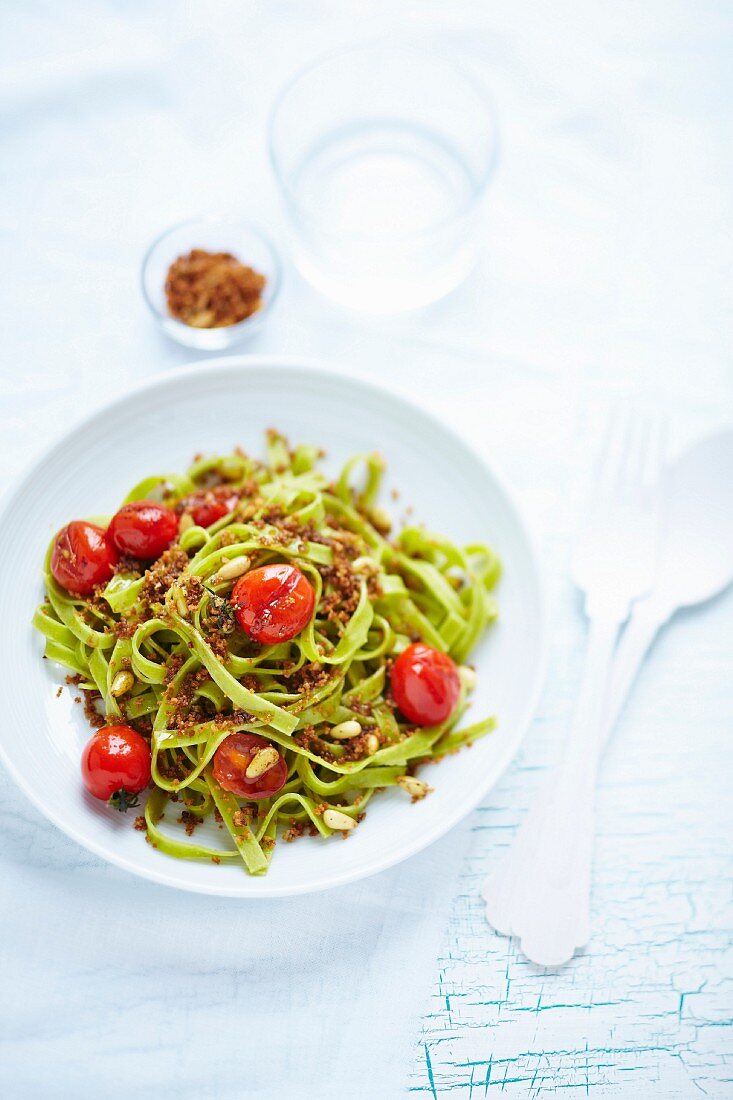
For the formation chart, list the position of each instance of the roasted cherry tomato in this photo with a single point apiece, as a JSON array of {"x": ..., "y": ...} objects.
[
  {"x": 273, "y": 604},
  {"x": 82, "y": 557},
  {"x": 208, "y": 505},
  {"x": 234, "y": 756},
  {"x": 115, "y": 765},
  {"x": 143, "y": 529},
  {"x": 425, "y": 684}
]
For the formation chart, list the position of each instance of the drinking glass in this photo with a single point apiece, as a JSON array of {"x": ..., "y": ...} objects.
[{"x": 383, "y": 153}]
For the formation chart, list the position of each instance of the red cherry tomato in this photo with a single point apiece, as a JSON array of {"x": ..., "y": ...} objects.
[
  {"x": 208, "y": 505},
  {"x": 425, "y": 685},
  {"x": 232, "y": 759},
  {"x": 273, "y": 604},
  {"x": 143, "y": 529},
  {"x": 116, "y": 762},
  {"x": 82, "y": 557}
]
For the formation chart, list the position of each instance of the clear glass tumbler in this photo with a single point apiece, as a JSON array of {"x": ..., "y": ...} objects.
[{"x": 383, "y": 153}]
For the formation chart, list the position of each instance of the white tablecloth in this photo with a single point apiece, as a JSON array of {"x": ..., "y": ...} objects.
[{"x": 605, "y": 276}]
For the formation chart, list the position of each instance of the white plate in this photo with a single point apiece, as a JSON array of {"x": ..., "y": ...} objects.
[{"x": 210, "y": 407}]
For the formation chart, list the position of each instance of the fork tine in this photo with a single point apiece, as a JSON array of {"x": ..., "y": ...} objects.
[
  {"x": 630, "y": 471},
  {"x": 631, "y": 457},
  {"x": 641, "y": 464},
  {"x": 612, "y": 454},
  {"x": 656, "y": 452}
]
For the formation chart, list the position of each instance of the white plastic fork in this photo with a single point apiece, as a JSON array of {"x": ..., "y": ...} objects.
[{"x": 541, "y": 894}]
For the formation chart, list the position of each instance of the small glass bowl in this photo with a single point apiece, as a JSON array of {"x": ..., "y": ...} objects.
[{"x": 249, "y": 245}]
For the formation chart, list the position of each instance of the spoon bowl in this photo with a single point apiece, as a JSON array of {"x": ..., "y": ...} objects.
[{"x": 696, "y": 554}]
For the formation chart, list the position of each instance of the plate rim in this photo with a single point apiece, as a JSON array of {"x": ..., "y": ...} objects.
[{"x": 329, "y": 371}]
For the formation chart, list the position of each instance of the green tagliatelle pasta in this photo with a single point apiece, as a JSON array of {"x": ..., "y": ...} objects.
[{"x": 194, "y": 677}]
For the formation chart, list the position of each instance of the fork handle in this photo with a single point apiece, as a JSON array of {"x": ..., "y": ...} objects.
[
  {"x": 588, "y": 716},
  {"x": 542, "y": 893},
  {"x": 566, "y": 829},
  {"x": 647, "y": 617}
]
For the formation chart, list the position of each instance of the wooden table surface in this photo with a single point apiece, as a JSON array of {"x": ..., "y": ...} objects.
[{"x": 605, "y": 279}]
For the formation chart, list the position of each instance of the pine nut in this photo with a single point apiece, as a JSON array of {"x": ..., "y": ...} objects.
[
  {"x": 122, "y": 683},
  {"x": 468, "y": 677},
  {"x": 261, "y": 762},
  {"x": 380, "y": 519},
  {"x": 371, "y": 743},
  {"x": 414, "y": 787},
  {"x": 180, "y": 601},
  {"x": 231, "y": 569},
  {"x": 344, "y": 731},
  {"x": 364, "y": 565},
  {"x": 186, "y": 521},
  {"x": 231, "y": 468},
  {"x": 336, "y": 820}
]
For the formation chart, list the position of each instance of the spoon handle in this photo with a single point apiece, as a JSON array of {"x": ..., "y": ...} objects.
[{"x": 647, "y": 616}]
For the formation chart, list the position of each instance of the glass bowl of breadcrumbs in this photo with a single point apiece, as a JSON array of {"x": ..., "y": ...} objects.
[{"x": 210, "y": 283}]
